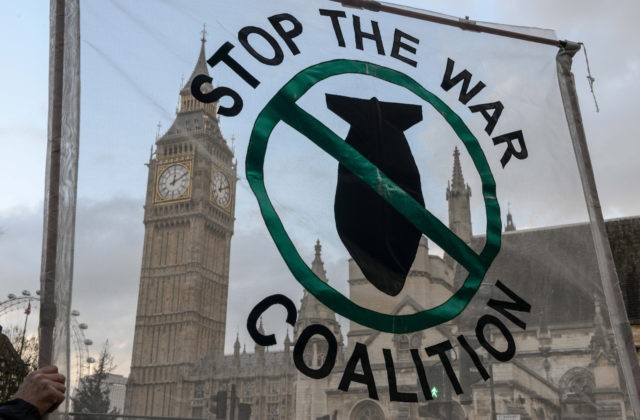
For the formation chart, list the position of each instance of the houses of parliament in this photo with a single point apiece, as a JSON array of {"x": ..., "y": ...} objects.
[{"x": 565, "y": 366}]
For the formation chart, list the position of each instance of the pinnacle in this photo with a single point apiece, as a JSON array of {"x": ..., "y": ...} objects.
[
  {"x": 317, "y": 266},
  {"x": 201, "y": 67},
  {"x": 457, "y": 180}
]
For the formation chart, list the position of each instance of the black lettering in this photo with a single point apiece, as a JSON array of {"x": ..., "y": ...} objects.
[
  {"x": 440, "y": 349},
  {"x": 260, "y": 308},
  {"x": 474, "y": 357},
  {"x": 518, "y": 304},
  {"x": 223, "y": 55},
  {"x": 502, "y": 356},
  {"x": 398, "y": 45},
  {"x": 243, "y": 37},
  {"x": 301, "y": 344},
  {"x": 215, "y": 95},
  {"x": 422, "y": 376},
  {"x": 287, "y": 36},
  {"x": 511, "y": 150},
  {"x": 491, "y": 117},
  {"x": 335, "y": 15},
  {"x": 366, "y": 377},
  {"x": 374, "y": 36},
  {"x": 394, "y": 394},
  {"x": 465, "y": 94}
]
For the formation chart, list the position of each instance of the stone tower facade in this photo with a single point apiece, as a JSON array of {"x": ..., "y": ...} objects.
[{"x": 189, "y": 218}]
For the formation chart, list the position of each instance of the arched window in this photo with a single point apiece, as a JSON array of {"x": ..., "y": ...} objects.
[
  {"x": 577, "y": 386},
  {"x": 577, "y": 381},
  {"x": 367, "y": 410}
]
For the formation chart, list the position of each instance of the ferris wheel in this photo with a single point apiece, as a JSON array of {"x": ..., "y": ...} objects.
[{"x": 22, "y": 311}]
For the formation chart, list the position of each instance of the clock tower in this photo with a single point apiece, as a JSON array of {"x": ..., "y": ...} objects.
[{"x": 188, "y": 218}]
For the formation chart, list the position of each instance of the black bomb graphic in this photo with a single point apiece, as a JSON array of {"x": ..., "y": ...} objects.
[
  {"x": 381, "y": 241},
  {"x": 379, "y": 211}
]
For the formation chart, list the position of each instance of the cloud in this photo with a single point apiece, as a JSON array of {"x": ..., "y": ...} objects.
[
  {"x": 20, "y": 246},
  {"x": 109, "y": 236}
]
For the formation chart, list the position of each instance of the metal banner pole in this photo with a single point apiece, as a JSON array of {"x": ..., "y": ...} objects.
[
  {"x": 60, "y": 186},
  {"x": 608, "y": 275}
]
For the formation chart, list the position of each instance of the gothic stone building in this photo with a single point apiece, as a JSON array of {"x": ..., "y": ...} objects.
[{"x": 565, "y": 366}]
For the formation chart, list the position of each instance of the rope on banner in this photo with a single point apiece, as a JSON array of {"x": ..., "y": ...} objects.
[
  {"x": 465, "y": 24},
  {"x": 589, "y": 77}
]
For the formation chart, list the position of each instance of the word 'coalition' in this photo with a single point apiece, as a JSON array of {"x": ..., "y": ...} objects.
[{"x": 360, "y": 355}]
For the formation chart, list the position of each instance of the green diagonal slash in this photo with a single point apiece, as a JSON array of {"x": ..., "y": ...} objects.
[{"x": 282, "y": 107}]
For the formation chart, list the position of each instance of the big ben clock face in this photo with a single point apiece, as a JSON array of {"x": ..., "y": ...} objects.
[
  {"x": 220, "y": 189},
  {"x": 173, "y": 182}
]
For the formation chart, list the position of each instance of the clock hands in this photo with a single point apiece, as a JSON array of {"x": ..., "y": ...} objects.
[
  {"x": 178, "y": 178},
  {"x": 220, "y": 189},
  {"x": 174, "y": 182}
]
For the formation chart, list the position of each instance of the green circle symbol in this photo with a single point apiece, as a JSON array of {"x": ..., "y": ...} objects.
[{"x": 283, "y": 107}]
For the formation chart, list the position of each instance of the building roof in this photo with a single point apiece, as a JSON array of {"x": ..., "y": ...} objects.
[
  {"x": 624, "y": 237},
  {"x": 555, "y": 270}
]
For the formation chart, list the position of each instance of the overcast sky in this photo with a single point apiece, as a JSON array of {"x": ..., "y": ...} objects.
[{"x": 133, "y": 62}]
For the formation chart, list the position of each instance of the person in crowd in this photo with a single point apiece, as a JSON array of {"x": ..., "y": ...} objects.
[{"x": 41, "y": 392}]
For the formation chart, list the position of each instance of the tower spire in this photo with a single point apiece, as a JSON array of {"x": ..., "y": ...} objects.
[
  {"x": 259, "y": 350},
  {"x": 317, "y": 266},
  {"x": 187, "y": 101},
  {"x": 510, "y": 226},
  {"x": 201, "y": 67},
  {"x": 457, "y": 179},
  {"x": 458, "y": 196},
  {"x": 311, "y": 310},
  {"x": 236, "y": 345}
]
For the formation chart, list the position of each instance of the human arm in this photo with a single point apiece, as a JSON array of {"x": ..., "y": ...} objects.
[{"x": 40, "y": 392}]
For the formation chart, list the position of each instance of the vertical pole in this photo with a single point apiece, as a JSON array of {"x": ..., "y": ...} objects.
[
  {"x": 60, "y": 186},
  {"x": 610, "y": 285},
  {"x": 52, "y": 182},
  {"x": 493, "y": 396},
  {"x": 24, "y": 328}
]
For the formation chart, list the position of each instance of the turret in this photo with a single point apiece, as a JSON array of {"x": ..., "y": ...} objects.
[
  {"x": 458, "y": 195},
  {"x": 311, "y": 396},
  {"x": 314, "y": 312},
  {"x": 236, "y": 346},
  {"x": 510, "y": 226},
  {"x": 287, "y": 346},
  {"x": 258, "y": 348}
]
